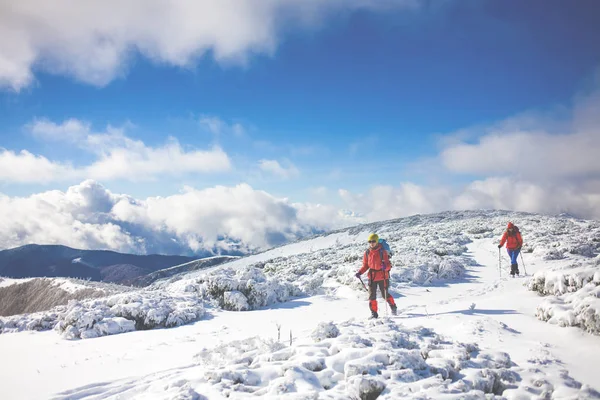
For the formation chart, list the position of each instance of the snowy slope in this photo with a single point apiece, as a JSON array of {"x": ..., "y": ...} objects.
[
  {"x": 29, "y": 295},
  {"x": 464, "y": 330}
]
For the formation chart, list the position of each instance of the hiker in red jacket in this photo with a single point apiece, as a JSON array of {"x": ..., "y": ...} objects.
[
  {"x": 377, "y": 261},
  {"x": 514, "y": 241}
]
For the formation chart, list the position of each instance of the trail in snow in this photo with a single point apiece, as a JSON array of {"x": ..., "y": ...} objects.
[{"x": 503, "y": 319}]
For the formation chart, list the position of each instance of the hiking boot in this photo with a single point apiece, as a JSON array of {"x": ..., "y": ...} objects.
[
  {"x": 374, "y": 315},
  {"x": 394, "y": 310}
]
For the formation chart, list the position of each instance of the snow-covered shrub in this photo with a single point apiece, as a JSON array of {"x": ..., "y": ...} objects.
[
  {"x": 574, "y": 293},
  {"x": 561, "y": 281},
  {"x": 242, "y": 289},
  {"x": 30, "y": 322},
  {"x": 553, "y": 254},
  {"x": 580, "y": 308},
  {"x": 325, "y": 330},
  {"x": 235, "y": 300},
  {"x": 127, "y": 312},
  {"x": 245, "y": 351},
  {"x": 450, "y": 269},
  {"x": 585, "y": 250}
]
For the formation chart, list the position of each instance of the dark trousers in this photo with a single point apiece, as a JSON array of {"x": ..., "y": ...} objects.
[{"x": 384, "y": 294}]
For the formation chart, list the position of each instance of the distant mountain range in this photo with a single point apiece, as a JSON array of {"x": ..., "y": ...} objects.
[{"x": 98, "y": 265}]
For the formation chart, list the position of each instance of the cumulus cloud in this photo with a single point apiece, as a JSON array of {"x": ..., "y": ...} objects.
[
  {"x": 71, "y": 130},
  {"x": 117, "y": 156},
  {"x": 531, "y": 148},
  {"x": 28, "y": 168},
  {"x": 387, "y": 202},
  {"x": 202, "y": 222},
  {"x": 534, "y": 162},
  {"x": 93, "y": 40},
  {"x": 275, "y": 168},
  {"x": 579, "y": 199}
]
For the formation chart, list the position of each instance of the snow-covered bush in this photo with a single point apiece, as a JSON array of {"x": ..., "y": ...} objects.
[
  {"x": 30, "y": 322},
  {"x": 242, "y": 289},
  {"x": 553, "y": 254},
  {"x": 325, "y": 330},
  {"x": 125, "y": 312},
  {"x": 560, "y": 281},
  {"x": 574, "y": 295},
  {"x": 235, "y": 300},
  {"x": 580, "y": 308},
  {"x": 367, "y": 360},
  {"x": 450, "y": 269},
  {"x": 585, "y": 250}
]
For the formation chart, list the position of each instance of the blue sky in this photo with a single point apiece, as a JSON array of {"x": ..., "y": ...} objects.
[{"x": 360, "y": 107}]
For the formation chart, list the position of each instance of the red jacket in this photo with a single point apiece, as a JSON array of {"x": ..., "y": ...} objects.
[
  {"x": 373, "y": 261},
  {"x": 513, "y": 242}
]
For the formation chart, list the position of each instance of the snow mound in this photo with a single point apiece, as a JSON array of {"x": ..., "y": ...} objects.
[
  {"x": 574, "y": 295},
  {"x": 363, "y": 360}
]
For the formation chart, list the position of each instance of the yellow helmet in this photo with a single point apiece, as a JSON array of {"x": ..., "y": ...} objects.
[{"x": 373, "y": 236}]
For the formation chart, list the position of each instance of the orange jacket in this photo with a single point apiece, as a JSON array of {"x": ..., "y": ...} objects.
[
  {"x": 513, "y": 242},
  {"x": 373, "y": 261}
]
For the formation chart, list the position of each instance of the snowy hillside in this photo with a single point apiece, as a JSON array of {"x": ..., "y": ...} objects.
[
  {"x": 465, "y": 329},
  {"x": 29, "y": 295},
  {"x": 178, "y": 270}
]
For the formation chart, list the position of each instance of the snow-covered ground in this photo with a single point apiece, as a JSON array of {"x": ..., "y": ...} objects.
[{"x": 465, "y": 330}]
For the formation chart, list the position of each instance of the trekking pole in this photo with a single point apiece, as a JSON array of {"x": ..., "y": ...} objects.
[
  {"x": 385, "y": 285},
  {"x": 361, "y": 281},
  {"x": 499, "y": 263},
  {"x": 523, "y": 262}
]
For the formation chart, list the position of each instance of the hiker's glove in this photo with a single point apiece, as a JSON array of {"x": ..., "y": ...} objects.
[
  {"x": 499, "y": 246},
  {"x": 357, "y": 275}
]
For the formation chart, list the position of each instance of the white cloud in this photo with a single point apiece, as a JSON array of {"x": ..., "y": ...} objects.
[
  {"x": 139, "y": 162},
  {"x": 89, "y": 216},
  {"x": 578, "y": 199},
  {"x": 71, "y": 130},
  {"x": 218, "y": 127},
  {"x": 117, "y": 156},
  {"x": 544, "y": 162},
  {"x": 387, "y": 202},
  {"x": 93, "y": 40},
  {"x": 28, "y": 168},
  {"x": 273, "y": 167},
  {"x": 75, "y": 218},
  {"x": 530, "y": 148}
]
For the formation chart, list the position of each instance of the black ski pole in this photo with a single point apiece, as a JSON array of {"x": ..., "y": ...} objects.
[{"x": 361, "y": 281}]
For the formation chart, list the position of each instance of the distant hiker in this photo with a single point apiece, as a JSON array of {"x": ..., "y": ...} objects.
[
  {"x": 377, "y": 261},
  {"x": 514, "y": 241}
]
